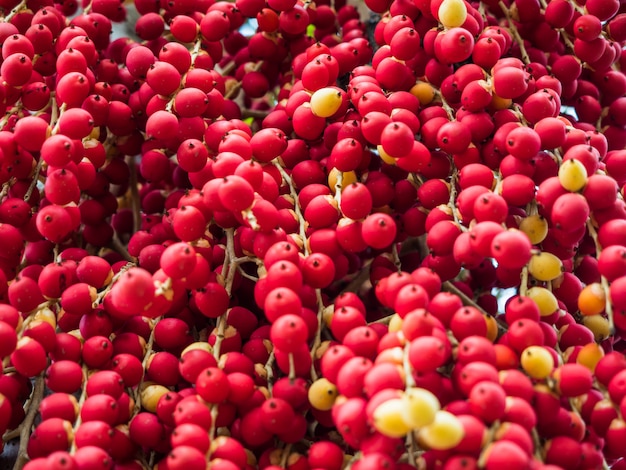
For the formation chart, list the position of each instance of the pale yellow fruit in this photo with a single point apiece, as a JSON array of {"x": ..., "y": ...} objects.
[
  {"x": 545, "y": 266},
  {"x": 599, "y": 326},
  {"x": 150, "y": 395},
  {"x": 421, "y": 407},
  {"x": 545, "y": 300},
  {"x": 395, "y": 324},
  {"x": 444, "y": 433},
  {"x": 325, "y": 102},
  {"x": 573, "y": 175},
  {"x": 203, "y": 345},
  {"x": 389, "y": 418},
  {"x": 347, "y": 178},
  {"x": 384, "y": 156},
  {"x": 536, "y": 227},
  {"x": 452, "y": 13},
  {"x": 537, "y": 362}
]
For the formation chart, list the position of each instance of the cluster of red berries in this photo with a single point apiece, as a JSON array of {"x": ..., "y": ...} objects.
[{"x": 288, "y": 249}]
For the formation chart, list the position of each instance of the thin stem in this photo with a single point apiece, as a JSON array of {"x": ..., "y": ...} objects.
[
  {"x": 452, "y": 201},
  {"x": 227, "y": 69},
  {"x": 118, "y": 246},
  {"x": 292, "y": 368},
  {"x": 318, "y": 334},
  {"x": 296, "y": 204},
  {"x": 106, "y": 290},
  {"x": 219, "y": 337},
  {"x": 33, "y": 183},
  {"x": 234, "y": 90},
  {"x": 523, "y": 286},
  {"x": 253, "y": 113},
  {"x": 197, "y": 47},
  {"x": 10, "y": 435},
  {"x": 515, "y": 32},
  {"x": 29, "y": 419},
  {"x": 7, "y": 114},
  {"x": 17, "y": 9},
  {"x": 6, "y": 187},
  {"x": 231, "y": 268},
  {"x": 144, "y": 363},
  {"x": 270, "y": 371},
  {"x": 55, "y": 115},
  {"x": 395, "y": 255},
  {"x": 81, "y": 400},
  {"x": 285, "y": 455},
  {"x": 358, "y": 281},
  {"x": 444, "y": 104},
  {"x": 338, "y": 187}
]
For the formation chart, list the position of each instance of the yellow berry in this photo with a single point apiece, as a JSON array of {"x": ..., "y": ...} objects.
[
  {"x": 573, "y": 175},
  {"x": 452, "y": 13},
  {"x": 545, "y": 266},
  {"x": 545, "y": 300},
  {"x": 389, "y": 418},
  {"x": 203, "y": 345},
  {"x": 421, "y": 407},
  {"x": 395, "y": 324},
  {"x": 325, "y": 102},
  {"x": 150, "y": 395},
  {"x": 424, "y": 92},
  {"x": 384, "y": 156},
  {"x": 347, "y": 178},
  {"x": 536, "y": 227},
  {"x": 537, "y": 362},
  {"x": 444, "y": 433},
  {"x": 598, "y": 325},
  {"x": 322, "y": 394}
]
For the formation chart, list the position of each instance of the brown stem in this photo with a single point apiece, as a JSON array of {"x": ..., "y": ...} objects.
[
  {"x": 33, "y": 183},
  {"x": 144, "y": 363},
  {"x": 253, "y": 113},
  {"x": 29, "y": 419},
  {"x": 81, "y": 400},
  {"x": 118, "y": 246},
  {"x": 296, "y": 204},
  {"x": 232, "y": 92},
  {"x": 318, "y": 334},
  {"x": 515, "y": 32}
]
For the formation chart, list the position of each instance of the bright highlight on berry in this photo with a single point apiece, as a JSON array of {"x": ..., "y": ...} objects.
[
  {"x": 452, "y": 13},
  {"x": 325, "y": 102}
]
